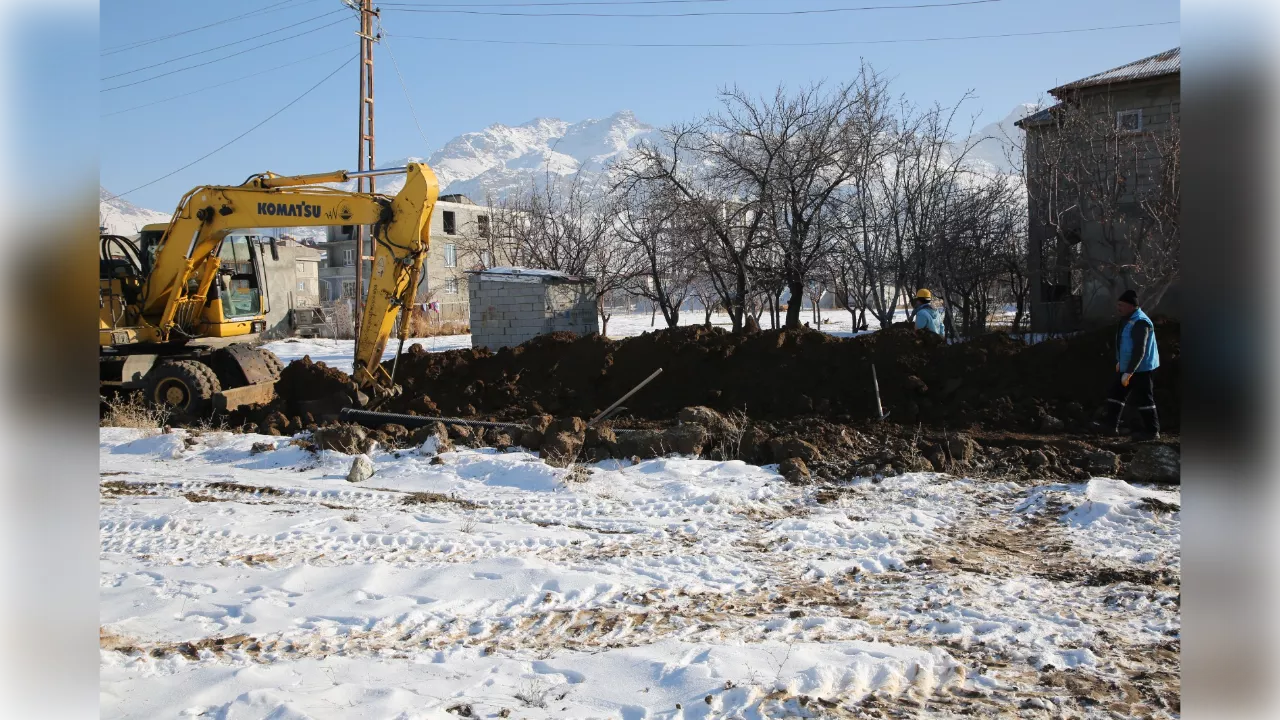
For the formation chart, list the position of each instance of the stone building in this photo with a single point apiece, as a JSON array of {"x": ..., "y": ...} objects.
[
  {"x": 292, "y": 275},
  {"x": 1101, "y": 169},
  {"x": 511, "y": 305},
  {"x": 460, "y": 234}
]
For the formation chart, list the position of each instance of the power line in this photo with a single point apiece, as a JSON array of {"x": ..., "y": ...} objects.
[
  {"x": 787, "y": 44},
  {"x": 140, "y": 43},
  {"x": 224, "y": 57},
  {"x": 554, "y": 4},
  {"x": 403, "y": 86},
  {"x": 227, "y": 144},
  {"x": 227, "y": 82},
  {"x": 705, "y": 13},
  {"x": 220, "y": 47}
]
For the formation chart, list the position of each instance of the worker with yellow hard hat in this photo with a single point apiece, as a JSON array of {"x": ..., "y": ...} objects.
[{"x": 927, "y": 316}]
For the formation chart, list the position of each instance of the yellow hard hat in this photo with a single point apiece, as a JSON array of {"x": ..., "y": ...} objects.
[{"x": 924, "y": 294}]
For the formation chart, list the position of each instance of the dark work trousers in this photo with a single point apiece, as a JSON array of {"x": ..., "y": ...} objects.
[{"x": 1141, "y": 391}]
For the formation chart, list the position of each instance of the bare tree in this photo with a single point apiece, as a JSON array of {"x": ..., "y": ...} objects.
[
  {"x": 732, "y": 212},
  {"x": 567, "y": 225},
  {"x": 808, "y": 145},
  {"x": 661, "y": 233},
  {"x": 982, "y": 223},
  {"x": 554, "y": 224},
  {"x": 489, "y": 241}
]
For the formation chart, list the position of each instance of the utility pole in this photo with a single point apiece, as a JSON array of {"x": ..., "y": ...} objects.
[{"x": 364, "y": 161}]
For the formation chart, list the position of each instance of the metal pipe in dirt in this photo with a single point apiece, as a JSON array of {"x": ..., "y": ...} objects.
[
  {"x": 374, "y": 420},
  {"x": 623, "y": 399},
  {"x": 875, "y": 381}
]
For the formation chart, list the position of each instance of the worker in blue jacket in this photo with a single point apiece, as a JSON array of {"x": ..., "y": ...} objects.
[
  {"x": 1137, "y": 357},
  {"x": 927, "y": 316}
]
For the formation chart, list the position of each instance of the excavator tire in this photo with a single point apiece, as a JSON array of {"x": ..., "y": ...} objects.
[
  {"x": 276, "y": 364},
  {"x": 186, "y": 386}
]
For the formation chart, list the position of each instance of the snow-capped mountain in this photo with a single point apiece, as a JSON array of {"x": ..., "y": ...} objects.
[
  {"x": 494, "y": 162},
  {"x": 121, "y": 217},
  {"x": 997, "y": 142}
]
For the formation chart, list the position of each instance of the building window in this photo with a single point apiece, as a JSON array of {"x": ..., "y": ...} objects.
[
  {"x": 349, "y": 257},
  {"x": 347, "y": 230},
  {"x": 451, "y": 255},
  {"x": 451, "y": 286},
  {"x": 300, "y": 268},
  {"x": 484, "y": 259},
  {"x": 1129, "y": 120},
  {"x": 348, "y": 288},
  {"x": 482, "y": 226},
  {"x": 450, "y": 223}
]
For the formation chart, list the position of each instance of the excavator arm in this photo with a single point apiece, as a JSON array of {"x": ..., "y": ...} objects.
[{"x": 176, "y": 290}]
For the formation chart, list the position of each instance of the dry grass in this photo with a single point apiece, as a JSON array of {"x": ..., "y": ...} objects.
[
  {"x": 426, "y": 324},
  {"x": 533, "y": 692},
  {"x": 422, "y": 324},
  {"x": 428, "y": 498},
  {"x": 132, "y": 411}
]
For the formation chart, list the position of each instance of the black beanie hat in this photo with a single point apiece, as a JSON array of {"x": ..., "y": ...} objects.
[{"x": 1129, "y": 296}]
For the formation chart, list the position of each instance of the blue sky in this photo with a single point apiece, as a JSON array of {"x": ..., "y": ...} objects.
[{"x": 458, "y": 87}]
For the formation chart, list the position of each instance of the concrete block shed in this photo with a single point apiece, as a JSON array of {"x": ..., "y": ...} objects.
[{"x": 510, "y": 305}]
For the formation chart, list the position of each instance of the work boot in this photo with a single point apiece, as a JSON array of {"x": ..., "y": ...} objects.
[
  {"x": 1103, "y": 428},
  {"x": 1150, "y": 425},
  {"x": 1110, "y": 425}
]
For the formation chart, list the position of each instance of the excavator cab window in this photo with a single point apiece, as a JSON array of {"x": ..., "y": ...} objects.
[
  {"x": 240, "y": 289},
  {"x": 148, "y": 245}
]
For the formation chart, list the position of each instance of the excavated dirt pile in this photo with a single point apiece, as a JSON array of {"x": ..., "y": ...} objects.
[
  {"x": 992, "y": 406},
  {"x": 993, "y": 381}
]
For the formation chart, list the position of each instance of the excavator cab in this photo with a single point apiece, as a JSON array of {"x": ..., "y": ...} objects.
[{"x": 238, "y": 300}]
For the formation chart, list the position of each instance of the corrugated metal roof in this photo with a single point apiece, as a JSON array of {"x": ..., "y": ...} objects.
[{"x": 1165, "y": 63}]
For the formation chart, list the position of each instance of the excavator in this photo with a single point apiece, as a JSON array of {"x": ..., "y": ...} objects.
[{"x": 177, "y": 306}]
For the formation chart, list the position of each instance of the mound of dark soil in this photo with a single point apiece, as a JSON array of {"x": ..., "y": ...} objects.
[{"x": 993, "y": 380}]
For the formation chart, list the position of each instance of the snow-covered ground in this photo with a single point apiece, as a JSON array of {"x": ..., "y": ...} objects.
[
  {"x": 337, "y": 353},
  {"x": 243, "y": 585}
]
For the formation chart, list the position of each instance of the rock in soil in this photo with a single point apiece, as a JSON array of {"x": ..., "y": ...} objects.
[
  {"x": 461, "y": 434},
  {"x": 571, "y": 425},
  {"x": 962, "y": 448},
  {"x": 261, "y": 447},
  {"x": 560, "y": 448},
  {"x": 794, "y": 470},
  {"x": 434, "y": 430},
  {"x": 361, "y": 469},
  {"x": 687, "y": 439},
  {"x": 937, "y": 457},
  {"x": 714, "y": 422},
  {"x": 600, "y": 436},
  {"x": 531, "y": 439},
  {"x": 1102, "y": 463},
  {"x": 794, "y": 447},
  {"x": 1155, "y": 463},
  {"x": 431, "y": 439},
  {"x": 398, "y": 434},
  {"x": 348, "y": 439}
]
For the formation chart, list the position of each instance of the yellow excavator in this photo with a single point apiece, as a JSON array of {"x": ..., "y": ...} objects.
[{"x": 176, "y": 306}]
